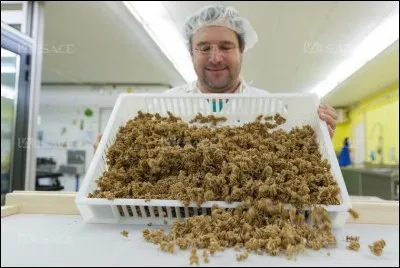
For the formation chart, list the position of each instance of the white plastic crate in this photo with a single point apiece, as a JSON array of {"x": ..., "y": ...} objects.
[{"x": 298, "y": 109}]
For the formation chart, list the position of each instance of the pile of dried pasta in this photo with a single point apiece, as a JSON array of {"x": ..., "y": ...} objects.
[
  {"x": 263, "y": 227},
  {"x": 165, "y": 158},
  {"x": 258, "y": 164}
]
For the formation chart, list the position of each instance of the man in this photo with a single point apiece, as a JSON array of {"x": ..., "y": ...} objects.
[{"x": 217, "y": 37}]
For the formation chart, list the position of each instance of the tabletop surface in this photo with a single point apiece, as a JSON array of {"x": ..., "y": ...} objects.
[{"x": 65, "y": 240}]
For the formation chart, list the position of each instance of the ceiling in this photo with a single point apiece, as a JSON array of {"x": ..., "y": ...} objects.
[
  {"x": 100, "y": 42},
  {"x": 107, "y": 45},
  {"x": 381, "y": 73}
]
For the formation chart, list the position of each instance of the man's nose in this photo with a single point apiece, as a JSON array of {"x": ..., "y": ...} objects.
[{"x": 215, "y": 55}]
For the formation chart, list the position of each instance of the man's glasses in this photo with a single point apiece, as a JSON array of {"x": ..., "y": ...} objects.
[{"x": 207, "y": 49}]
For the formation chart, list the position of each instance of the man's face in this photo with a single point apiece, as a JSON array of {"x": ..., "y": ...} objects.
[{"x": 216, "y": 57}]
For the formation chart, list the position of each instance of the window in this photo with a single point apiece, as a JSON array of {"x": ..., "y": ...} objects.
[{"x": 15, "y": 14}]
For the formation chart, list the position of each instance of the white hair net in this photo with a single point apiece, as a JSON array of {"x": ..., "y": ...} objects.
[{"x": 221, "y": 16}]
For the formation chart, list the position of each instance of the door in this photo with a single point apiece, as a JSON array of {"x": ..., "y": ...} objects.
[{"x": 15, "y": 86}]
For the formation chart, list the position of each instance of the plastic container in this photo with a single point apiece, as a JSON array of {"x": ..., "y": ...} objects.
[{"x": 298, "y": 109}]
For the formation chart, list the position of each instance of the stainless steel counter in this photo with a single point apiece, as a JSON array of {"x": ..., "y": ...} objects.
[{"x": 381, "y": 182}]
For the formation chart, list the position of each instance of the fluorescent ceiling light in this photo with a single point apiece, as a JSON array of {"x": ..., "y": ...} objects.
[
  {"x": 158, "y": 24},
  {"x": 7, "y": 92},
  {"x": 377, "y": 41}
]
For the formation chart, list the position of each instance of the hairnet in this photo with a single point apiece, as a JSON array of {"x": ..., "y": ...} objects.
[{"x": 221, "y": 16}]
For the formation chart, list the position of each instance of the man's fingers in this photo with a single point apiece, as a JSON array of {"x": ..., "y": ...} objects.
[
  {"x": 328, "y": 111},
  {"x": 329, "y": 120},
  {"x": 331, "y": 131},
  {"x": 96, "y": 144},
  {"x": 331, "y": 113}
]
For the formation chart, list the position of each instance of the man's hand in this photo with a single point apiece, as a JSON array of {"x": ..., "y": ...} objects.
[
  {"x": 328, "y": 114},
  {"x": 96, "y": 144}
]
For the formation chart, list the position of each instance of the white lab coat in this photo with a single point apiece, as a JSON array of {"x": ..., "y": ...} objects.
[{"x": 191, "y": 88}]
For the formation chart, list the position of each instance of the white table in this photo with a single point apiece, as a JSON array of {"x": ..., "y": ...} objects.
[
  {"x": 367, "y": 198},
  {"x": 65, "y": 240}
]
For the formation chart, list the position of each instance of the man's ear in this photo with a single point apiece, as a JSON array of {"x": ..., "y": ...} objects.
[{"x": 190, "y": 47}]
